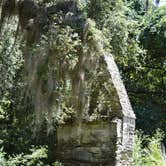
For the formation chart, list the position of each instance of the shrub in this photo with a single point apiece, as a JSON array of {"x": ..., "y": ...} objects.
[
  {"x": 147, "y": 150},
  {"x": 35, "y": 158}
]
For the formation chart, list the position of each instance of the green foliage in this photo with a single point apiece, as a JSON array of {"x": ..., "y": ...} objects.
[
  {"x": 152, "y": 37},
  {"x": 15, "y": 129},
  {"x": 153, "y": 33},
  {"x": 2, "y": 114},
  {"x": 99, "y": 10},
  {"x": 10, "y": 58},
  {"x": 138, "y": 149},
  {"x": 62, "y": 44},
  {"x": 11, "y": 62},
  {"x": 149, "y": 81},
  {"x": 57, "y": 164},
  {"x": 149, "y": 154},
  {"x": 2, "y": 158},
  {"x": 150, "y": 115},
  {"x": 36, "y": 157},
  {"x": 122, "y": 38},
  {"x": 139, "y": 6},
  {"x": 68, "y": 52}
]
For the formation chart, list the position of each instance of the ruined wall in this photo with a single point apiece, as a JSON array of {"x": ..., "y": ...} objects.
[
  {"x": 88, "y": 144},
  {"x": 95, "y": 144},
  {"x": 106, "y": 140}
]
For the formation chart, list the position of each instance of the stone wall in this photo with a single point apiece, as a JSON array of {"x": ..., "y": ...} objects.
[
  {"x": 87, "y": 144},
  {"x": 125, "y": 141},
  {"x": 102, "y": 143}
]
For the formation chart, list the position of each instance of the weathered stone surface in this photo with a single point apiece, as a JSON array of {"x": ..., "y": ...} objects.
[
  {"x": 93, "y": 143},
  {"x": 101, "y": 141}
]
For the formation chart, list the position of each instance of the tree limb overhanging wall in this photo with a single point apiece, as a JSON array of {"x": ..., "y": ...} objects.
[{"x": 74, "y": 83}]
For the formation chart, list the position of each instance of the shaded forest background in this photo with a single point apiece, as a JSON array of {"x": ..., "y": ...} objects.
[{"x": 135, "y": 34}]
